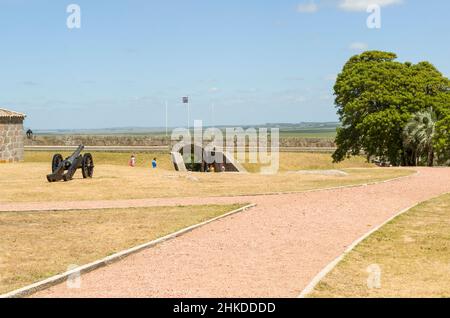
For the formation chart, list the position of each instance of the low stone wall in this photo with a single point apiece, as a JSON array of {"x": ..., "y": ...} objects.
[
  {"x": 11, "y": 140},
  {"x": 92, "y": 140}
]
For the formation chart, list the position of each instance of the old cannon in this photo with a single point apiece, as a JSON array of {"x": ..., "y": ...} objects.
[{"x": 71, "y": 165}]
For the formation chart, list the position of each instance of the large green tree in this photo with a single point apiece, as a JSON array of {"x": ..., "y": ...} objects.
[{"x": 376, "y": 96}]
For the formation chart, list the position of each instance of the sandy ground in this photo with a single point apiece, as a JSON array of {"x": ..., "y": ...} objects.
[{"x": 273, "y": 250}]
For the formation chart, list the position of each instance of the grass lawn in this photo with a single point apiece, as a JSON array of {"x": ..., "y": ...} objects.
[
  {"x": 38, "y": 245},
  {"x": 412, "y": 251},
  {"x": 289, "y": 161},
  {"x": 143, "y": 159},
  {"x": 26, "y": 182},
  {"x": 292, "y": 161},
  {"x": 327, "y": 133}
]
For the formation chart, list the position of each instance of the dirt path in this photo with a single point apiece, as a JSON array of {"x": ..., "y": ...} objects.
[{"x": 273, "y": 250}]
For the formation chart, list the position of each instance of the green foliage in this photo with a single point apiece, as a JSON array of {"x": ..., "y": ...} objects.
[
  {"x": 376, "y": 96},
  {"x": 442, "y": 140},
  {"x": 419, "y": 136}
]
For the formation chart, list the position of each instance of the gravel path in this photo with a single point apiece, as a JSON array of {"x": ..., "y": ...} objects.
[{"x": 273, "y": 250}]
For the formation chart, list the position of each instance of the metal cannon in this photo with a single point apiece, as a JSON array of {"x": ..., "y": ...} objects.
[{"x": 71, "y": 165}]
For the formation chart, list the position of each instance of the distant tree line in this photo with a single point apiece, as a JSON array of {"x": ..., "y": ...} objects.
[{"x": 393, "y": 111}]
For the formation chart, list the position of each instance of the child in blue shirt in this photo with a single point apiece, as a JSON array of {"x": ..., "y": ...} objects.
[{"x": 154, "y": 163}]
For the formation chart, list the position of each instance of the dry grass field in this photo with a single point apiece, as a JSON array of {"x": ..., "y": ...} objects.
[
  {"x": 292, "y": 161},
  {"x": 289, "y": 161},
  {"x": 41, "y": 244},
  {"x": 38, "y": 245},
  {"x": 112, "y": 158},
  {"x": 412, "y": 252},
  {"x": 26, "y": 182}
]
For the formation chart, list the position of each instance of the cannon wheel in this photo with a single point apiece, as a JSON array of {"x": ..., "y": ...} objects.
[
  {"x": 57, "y": 159},
  {"x": 87, "y": 166}
]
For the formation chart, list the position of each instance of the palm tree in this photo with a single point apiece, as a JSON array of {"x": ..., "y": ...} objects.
[{"x": 418, "y": 136}]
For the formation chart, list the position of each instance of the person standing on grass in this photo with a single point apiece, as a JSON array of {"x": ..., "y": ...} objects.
[
  {"x": 154, "y": 163},
  {"x": 132, "y": 162}
]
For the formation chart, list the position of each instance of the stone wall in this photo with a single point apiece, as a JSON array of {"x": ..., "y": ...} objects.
[
  {"x": 112, "y": 140},
  {"x": 11, "y": 139}
]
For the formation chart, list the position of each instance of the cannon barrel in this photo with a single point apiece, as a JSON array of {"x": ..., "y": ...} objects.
[{"x": 76, "y": 154}]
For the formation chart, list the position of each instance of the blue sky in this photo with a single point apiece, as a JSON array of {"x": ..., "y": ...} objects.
[{"x": 256, "y": 61}]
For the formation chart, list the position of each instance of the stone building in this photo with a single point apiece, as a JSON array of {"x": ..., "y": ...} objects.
[{"x": 11, "y": 136}]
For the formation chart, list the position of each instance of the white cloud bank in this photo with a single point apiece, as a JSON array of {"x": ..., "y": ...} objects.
[
  {"x": 310, "y": 7},
  {"x": 362, "y": 5},
  {"x": 359, "y": 46}
]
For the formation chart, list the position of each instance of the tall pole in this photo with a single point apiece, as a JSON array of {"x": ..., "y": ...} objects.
[
  {"x": 186, "y": 101},
  {"x": 189, "y": 115},
  {"x": 167, "y": 118}
]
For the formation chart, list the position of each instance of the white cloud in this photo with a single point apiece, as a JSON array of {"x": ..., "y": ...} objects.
[
  {"x": 362, "y": 5},
  {"x": 310, "y": 7},
  {"x": 359, "y": 46},
  {"x": 294, "y": 78},
  {"x": 326, "y": 97},
  {"x": 29, "y": 83},
  {"x": 300, "y": 99},
  {"x": 330, "y": 77}
]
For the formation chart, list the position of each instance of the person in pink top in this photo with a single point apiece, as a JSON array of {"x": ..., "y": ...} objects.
[{"x": 132, "y": 162}]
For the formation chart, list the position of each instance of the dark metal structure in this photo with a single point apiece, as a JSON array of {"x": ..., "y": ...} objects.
[
  {"x": 202, "y": 159},
  {"x": 71, "y": 164}
]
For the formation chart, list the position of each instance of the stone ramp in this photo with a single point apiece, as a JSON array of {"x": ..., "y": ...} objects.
[
  {"x": 178, "y": 161},
  {"x": 231, "y": 161}
]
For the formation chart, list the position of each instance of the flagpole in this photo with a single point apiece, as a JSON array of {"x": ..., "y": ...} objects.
[
  {"x": 212, "y": 115},
  {"x": 167, "y": 119},
  {"x": 186, "y": 101},
  {"x": 189, "y": 115}
]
